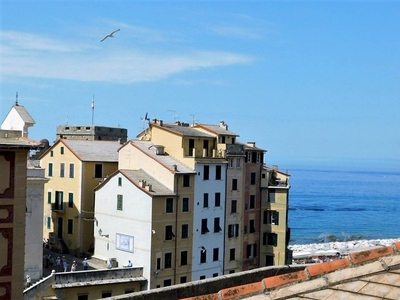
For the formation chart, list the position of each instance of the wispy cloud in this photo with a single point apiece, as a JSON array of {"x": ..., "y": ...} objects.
[
  {"x": 236, "y": 32},
  {"x": 29, "y": 55}
]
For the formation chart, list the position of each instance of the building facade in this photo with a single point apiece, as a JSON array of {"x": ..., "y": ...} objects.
[{"x": 74, "y": 169}]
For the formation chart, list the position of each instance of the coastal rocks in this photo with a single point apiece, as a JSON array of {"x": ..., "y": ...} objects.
[{"x": 337, "y": 249}]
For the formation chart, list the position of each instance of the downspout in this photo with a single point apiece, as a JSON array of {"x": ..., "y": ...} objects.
[
  {"x": 176, "y": 226},
  {"x": 224, "y": 231}
]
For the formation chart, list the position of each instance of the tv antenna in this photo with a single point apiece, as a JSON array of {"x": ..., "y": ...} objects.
[
  {"x": 145, "y": 119},
  {"x": 193, "y": 119},
  {"x": 175, "y": 115}
]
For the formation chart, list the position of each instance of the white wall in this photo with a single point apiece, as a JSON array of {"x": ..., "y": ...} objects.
[
  {"x": 134, "y": 220},
  {"x": 33, "y": 263},
  {"x": 209, "y": 240}
]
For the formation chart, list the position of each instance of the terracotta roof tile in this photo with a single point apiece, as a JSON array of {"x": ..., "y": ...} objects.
[{"x": 238, "y": 291}]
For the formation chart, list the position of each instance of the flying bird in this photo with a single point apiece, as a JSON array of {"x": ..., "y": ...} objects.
[{"x": 110, "y": 34}]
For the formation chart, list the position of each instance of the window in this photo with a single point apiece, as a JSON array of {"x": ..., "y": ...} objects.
[
  {"x": 49, "y": 197},
  {"x": 252, "y": 226},
  {"x": 50, "y": 170},
  {"x": 120, "y": 200},
  {"x": 70, "y": 200},
  {"x": 248, "y": 157},
  {"x": 184, "y": 256},
  {"x": 83, "y": 297},
  {"x": 271, "y": 217},
  {"x": 251, "y": 250},
  {"x": 223, "y": 139},
  {"x": 48, "y": 222},
  {"x": 234, "y": 184},
  {"x": 252, "y": 201},
  {"x": 167, "y": 282},
  {"x": 169, "y": 202},
  {"x": 98, "y": 171},
  {"x": 186, "y": 180},
  {"x": 233, "y": 206},
  {"x": 271, "y": 196},
  {"x": 233, "y": 230},
  {"x": 258, "y": 157},
  {"x": 231, "y": 271},
  {"x": 167, "y": 260},
  {"x": 168, "y": 233},
  {"x": 206, "y": 172},
  {"x": 158, "y": 263},
  {"x": 185, "y": 204},
  {"x": 203, "y": 256},
  {"x": 51, "y": 153},
  {"x": 204, "y": 228},
  {"x": 270, "y": 238},
  {"x": 185, "y": 231},
  {"x": 59, "y": 204},
  {"x": 215, "y": 254},
  {"x": 253, "y": 178},
  {"x": 62, "y": 150},
  {"x": 238, "y": 160},
  {"x": 71, "y": 170},
  {"x": 106, "y": 294},
  {"x": 119, "y": 181},
  {"x": 230, "y": 163},
  {"x": 183, "y": 279},
  {"x": 202, "y": 277},
  {"x": 205, "y": 200},
  {"x": 232, "y": 254},
  {"x": 217, "y": 228},
  {"x": 128, "y": 291},
  {"x": 215, "y": 274},
  {"x": 217, "y": 199},
  {"x": 269, "y": 260},
  {"x": 191, "y": 147},
  {"x": 218, "y": 172},
  {"x": 70, "y": 226},
  {"x": 62, "y": 169}
]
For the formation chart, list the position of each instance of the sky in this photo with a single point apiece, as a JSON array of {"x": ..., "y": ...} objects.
[{"x": 311, "y": 82}]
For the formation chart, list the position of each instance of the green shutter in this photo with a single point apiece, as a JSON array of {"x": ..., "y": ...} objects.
[
  {"x": 49, "y": 197},
  {"x": 275, "y": 239},
  {"x": 48, "y": 222},
  {"x": 119, "y": 202},
  {"x": 276, "y": 217},
  {"x": 50, "y": 169},
  {"x": 70, "y": 200}
]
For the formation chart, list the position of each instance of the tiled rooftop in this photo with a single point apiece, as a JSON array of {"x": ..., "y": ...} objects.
[{"x": 370, "y": 274}]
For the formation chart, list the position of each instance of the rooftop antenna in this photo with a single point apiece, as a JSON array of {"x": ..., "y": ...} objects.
[
  {"x": 175, "y": 116},
  {"x": 16, "y": 99},
  {"x": 92, "y": 109},
  {"x": 145, "y": 119},
  {"x": 193, "y": 119},
  {"x": 67, "y": 119}
]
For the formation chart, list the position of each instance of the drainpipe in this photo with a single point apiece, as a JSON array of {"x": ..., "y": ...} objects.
[{"x": 176, "y": 226}]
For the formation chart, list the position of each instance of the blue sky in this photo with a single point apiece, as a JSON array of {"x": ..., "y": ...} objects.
[{"x": 312, "y": 82}]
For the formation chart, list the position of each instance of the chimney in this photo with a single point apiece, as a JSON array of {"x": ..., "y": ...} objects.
[
  {"x": 251, "y": 144},
  {"x": 148, "y": 187},
  {"x": 223, "y": 125}
]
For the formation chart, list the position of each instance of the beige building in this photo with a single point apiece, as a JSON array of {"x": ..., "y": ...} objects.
[{"x": 74, "y": 169}]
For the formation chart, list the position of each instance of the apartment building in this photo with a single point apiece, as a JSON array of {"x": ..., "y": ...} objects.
[
  {"x": 144, "y": 214},
  {"x": 74, "y": 168}
]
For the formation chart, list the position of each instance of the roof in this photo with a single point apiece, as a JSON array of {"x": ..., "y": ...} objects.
[
  {"x": 217, "y": 129},
  {"x": 137, "y": 176},
  {"x": 99, "y": 282},
  {"x": 11, "y": 139},
  {"x": 187, "y": 131},
  {"x": 25, "y": 116},
  {"x": 369, "y": 274},
  {"x": 166, "y": 160},
  {"x": 85, "y": 150}
]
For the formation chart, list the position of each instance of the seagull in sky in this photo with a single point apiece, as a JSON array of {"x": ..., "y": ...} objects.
[{"x": 110, "y": 34}]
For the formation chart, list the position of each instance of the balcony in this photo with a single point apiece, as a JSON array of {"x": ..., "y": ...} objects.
[{"x": 57, "y": 207}]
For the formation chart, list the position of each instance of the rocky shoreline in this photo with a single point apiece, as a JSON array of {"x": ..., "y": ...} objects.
[{"x": 338, "y": 249}]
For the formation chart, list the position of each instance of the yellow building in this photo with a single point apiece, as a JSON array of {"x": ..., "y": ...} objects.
[
  {"x": 275, "y": 232},
  {"x": 74, "y": 168}
]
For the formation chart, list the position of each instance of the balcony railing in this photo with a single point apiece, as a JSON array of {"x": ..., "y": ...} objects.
[{"x": 56, "y": 207}]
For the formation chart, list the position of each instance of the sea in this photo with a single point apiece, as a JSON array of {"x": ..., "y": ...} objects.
[{"x": 331, "y": 204}]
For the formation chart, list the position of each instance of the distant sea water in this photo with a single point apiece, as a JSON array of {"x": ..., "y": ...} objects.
[{"x": 325, "y": 205}]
